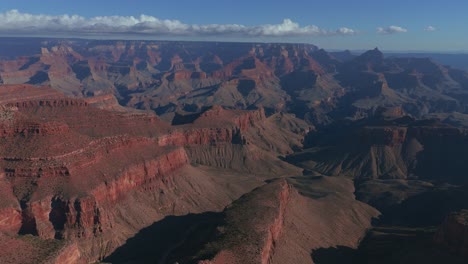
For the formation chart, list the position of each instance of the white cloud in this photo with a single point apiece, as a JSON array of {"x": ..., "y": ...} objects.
[
  {"x": 430, "y": 28},
  {"x": 391, "y": 30},
  {"x": 15, "y": 22},
  {"x": 346, "y": 31}
]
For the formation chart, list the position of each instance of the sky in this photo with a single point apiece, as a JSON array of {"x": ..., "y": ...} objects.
[{"x": 397, "y": 25}]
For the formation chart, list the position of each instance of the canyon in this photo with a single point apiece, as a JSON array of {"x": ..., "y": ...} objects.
[{"x": 206, "y": 152}]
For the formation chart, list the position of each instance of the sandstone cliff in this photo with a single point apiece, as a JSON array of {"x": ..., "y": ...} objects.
[
  {"x": 91, "y": 177},
  {"x": 290, "y": 219}
]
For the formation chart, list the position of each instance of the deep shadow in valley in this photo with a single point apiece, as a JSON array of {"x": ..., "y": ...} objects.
[
  {"x": 426, "y": 209},
  {"x": 405, "y": 232},
  {"x": 173, "y": 239},
  {"x": 390, "y": 245}
]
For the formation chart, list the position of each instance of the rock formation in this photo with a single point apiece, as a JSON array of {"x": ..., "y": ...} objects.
[
  {"x": 291, "y": 217},
  {"x": 453, "y": 233},
  {"x": 253, "y": 150},
  {"x": 178, "y": 77},
  {"x": 92, "y": 177}
]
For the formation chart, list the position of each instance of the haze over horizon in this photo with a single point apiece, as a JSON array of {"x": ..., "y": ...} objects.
[{"x": 361, "y": 25}]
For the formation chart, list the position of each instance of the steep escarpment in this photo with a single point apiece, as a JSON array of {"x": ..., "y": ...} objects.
[
  {"x": 83, "y": 209},
  {"x": 401, "y": 148},
  {"x": 74, "y": 199},
  {"x": 282, "y": 221},
  {"x": 258, "y": 240},
  {"x": 238, "y": 139},
  {"x": 91, "y": 178},
  {"x": 178, "y": 77},
  {"x": 323, "y": 213},
  {"x": 62, "y": 183}
]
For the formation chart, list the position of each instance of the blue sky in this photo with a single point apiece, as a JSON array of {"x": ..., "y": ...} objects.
[{"x": 332, "y": 24}]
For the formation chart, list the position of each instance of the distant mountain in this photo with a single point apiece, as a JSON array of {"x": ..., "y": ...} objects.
[
  {"x": 203, "y": 152},
  {"x": 458, "y": 60},
  {"x": 183, "y": 77}
]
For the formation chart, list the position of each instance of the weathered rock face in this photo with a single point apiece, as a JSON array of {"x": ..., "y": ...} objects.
[
  {"x": 80, "y": 168},
  {"x": 453, "y": 233},
  {"x": 128, "y": 68},
  {"x": 82, "y": 174},
  {"x": 204, "y": 130},
  {"x": 69, "y": 254},
  {"x": 54, "y": 216},
  {"x": 173, "y": 77},
  {"x": 11, "y": 220},
  {"x": 260, "y": 240},
  {"x": 400, "y": 148},
  {"x": 201, "y": 136},
  {"x": 268, "y": 226}
]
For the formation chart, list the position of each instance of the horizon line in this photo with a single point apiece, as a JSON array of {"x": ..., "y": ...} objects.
[{"x": 116, "y": 38}]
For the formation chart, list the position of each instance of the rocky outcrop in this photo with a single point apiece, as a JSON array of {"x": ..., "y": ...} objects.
[
  {"x": 86, "y": 217},
  {"x": 312, "y": 83},
  {"x": 276, "y": 227},
  {"x": 453, "y": 233},
  {"x": 231, "y": 124},
  {"x": 401, "y": 148},
  {"x": 11, "y": 220},
  {"x": 278, "y": 224},
  {"x": 69, "y": 254},
  {"x": 201, "y": 136},
  {"x": 141, "y": 175},
  {"x": 257, "y": 242},
  {"x": 81, "y": 168}
]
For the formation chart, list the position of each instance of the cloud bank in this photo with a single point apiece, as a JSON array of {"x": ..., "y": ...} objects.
[
  {"x": 15, "y": 22},
  {"x": 391, "y": 30}
]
